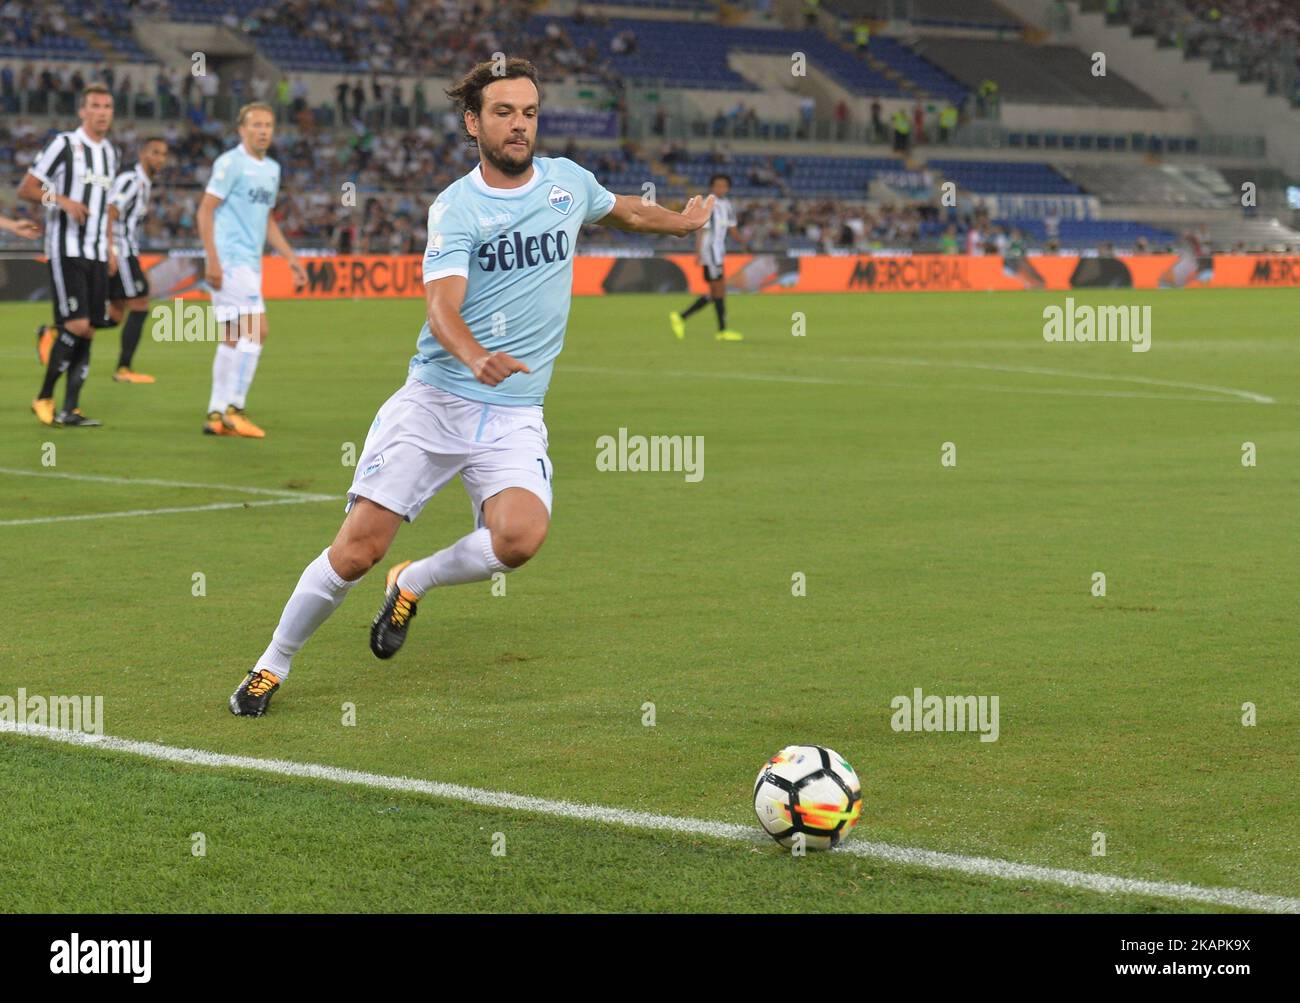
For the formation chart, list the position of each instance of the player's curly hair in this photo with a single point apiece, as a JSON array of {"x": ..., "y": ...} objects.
[{"x": 467, "y": 95}]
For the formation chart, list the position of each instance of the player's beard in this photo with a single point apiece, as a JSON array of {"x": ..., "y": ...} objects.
[{"x": 508, "y": 162}]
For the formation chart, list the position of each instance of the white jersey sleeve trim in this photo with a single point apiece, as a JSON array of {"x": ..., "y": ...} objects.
[{"x": 443, "y": 273}]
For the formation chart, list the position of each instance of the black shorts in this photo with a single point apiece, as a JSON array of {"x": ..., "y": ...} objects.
[
  {"x": 712, "y": 273},
  {"x": 80, "y": 290},
  {"x": 130, "y": 280}
]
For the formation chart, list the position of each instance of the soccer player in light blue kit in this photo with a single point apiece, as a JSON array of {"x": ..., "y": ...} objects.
[
  {"x": 235, "y": 223},
  {"x": 498, "y": 274}
]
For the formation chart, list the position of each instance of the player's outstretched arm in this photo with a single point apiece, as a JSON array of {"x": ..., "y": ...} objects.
[
  {"x": 631, "y": 212},
  {"x": 275, "y": 237},
  {"x": 442, "y": 300},
  {"x": 22, "y": 227}
]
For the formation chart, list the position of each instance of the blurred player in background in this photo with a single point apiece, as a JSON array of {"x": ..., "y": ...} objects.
[
  {"x": 711, "y": 253},
  {"x": 71, "y": 177},
  {"x": 236, "y": 224},
  {"x": 128, "y": 289},
  {"x": 498, "y": 278},
  {"x": 20, "y": 227},
  {"x": 1194, "y": 262}
]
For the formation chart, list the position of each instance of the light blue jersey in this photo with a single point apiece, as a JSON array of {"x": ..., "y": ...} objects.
[
  {"x": 515, "y": 246},
  {"x": 247, "y": 188}
]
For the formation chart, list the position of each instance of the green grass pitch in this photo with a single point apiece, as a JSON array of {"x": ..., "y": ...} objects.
[{"x": 1120, "y": 714}]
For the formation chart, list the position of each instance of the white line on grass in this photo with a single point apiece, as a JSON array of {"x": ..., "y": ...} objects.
[
  {"x": 1073, "y": 374},
  {"x": 1244, "y": 396},
  {"x": 132, "y": 513},
  {"x": 279, "y": 497},
  {"x": 984, "y": 867},
  {"x": 151, "y": 482}
]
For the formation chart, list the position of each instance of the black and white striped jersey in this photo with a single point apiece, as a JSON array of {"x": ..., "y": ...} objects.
[
  {"x": 713, "y": 249},
  {"x": 130, "y": 193},
  {"x": 83, "y": 170}
]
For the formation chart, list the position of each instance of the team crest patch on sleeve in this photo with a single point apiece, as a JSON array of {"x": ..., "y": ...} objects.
[
  {"x": 560, "y": 200},
  {"x": 374, "y": 465}
]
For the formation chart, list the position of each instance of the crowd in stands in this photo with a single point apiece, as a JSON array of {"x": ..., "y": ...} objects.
[
  {"x": 421, "y": 37},
  {"x": 24, "y": 25},
  {"x": 388, "y": 217},
  {"x": 1259, "y": 39}
]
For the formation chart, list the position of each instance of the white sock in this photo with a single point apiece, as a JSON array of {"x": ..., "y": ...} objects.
[
  {"x": 249, "y": 352},
  {"x": 223, "y": 376},
  {"x": 318, "y": 594},
  {"x": 469, "y": 559}
]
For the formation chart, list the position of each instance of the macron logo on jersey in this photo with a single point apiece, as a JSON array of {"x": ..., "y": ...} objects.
[
  {"x": 560, "y": 200},
  {"x": 514, "y": 250}
]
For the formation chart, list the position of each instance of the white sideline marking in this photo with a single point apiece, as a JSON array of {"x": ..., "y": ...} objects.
[
  {"x": 151, "y": 482},
  {"x": 906, "y": 856},
  {"x": 280, "y": 497},
  {"x": 1244, "y": 395},
  {"x": 131, "y": 513},
  {"x": 1074, "y": 374}
]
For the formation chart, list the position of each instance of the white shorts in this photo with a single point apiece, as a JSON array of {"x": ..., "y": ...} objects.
[
  {"x": 422, "y": 437},
  {"x": 240, "y": 293}
]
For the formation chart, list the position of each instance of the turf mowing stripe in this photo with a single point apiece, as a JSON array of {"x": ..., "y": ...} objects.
[
  {"x": 151, "y": 482},
  {"x": 910, "y": 857},
  {"x": 132, "y": 513}
]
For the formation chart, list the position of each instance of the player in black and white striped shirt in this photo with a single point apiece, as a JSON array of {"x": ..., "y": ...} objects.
[
  {"x": 71, "y": 178},
  {"x": 128, "y": 288},
  {"x": 711, "y": 252}
]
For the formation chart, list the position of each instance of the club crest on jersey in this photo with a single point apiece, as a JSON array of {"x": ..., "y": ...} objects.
[{"x": 560, "y": 200}]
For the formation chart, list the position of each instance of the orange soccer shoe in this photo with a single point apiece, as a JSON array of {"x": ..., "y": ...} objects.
[
  {"x": 126, "y": 375},
  {"x": 43, "y": 408},
  {"x": 237, "y": 420}
]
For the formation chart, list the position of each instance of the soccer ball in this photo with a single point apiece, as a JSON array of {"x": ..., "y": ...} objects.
[{"x": 811, "y": 790}]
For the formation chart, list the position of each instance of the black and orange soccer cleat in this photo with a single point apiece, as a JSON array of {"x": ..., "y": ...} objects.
[
  {"x": 388, "y": 632},
  {"x": 254, "y": 693}
]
